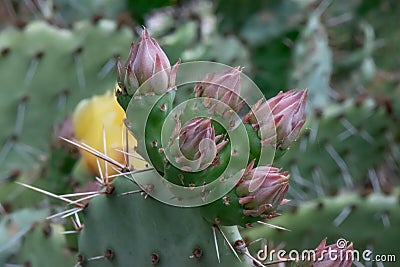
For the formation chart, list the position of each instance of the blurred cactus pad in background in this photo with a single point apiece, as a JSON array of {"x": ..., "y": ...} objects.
[{"x": 199, "y": 133}]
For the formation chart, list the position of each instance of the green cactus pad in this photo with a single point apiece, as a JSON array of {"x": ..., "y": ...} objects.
[
  {"x": 54, "y": 175},
  {"x": 228, "y": 211},
  {"x": 13, "y": 227},
  {"x": 45, "y": 71},
  {"x": 45, "y": 246},
  {"x": 255, "y": 143},
  {"x": 313, "y": 63},
  {"x": 143, "y": 231},
  {"x": 146, "y": 115}
]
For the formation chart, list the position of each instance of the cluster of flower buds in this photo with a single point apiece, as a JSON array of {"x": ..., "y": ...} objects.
[
  {"x": 280, "y": 118},
  {"x": 147, "y": 61},
  {"x": 195, "y": 146}
]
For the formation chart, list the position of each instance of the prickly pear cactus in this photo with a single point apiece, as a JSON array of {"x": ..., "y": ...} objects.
[
  {"x": 45, "y": 71},
  {"x": 52, "y": 251},
  {"x": 313, "y": 62},
  {"x": 204, "y": 178},
  {"x": 53, "y": 175},
  {"x": 134, "y": 229},
  {"x": 200, "y": 165},
  {"x": 14, "y": 227}
]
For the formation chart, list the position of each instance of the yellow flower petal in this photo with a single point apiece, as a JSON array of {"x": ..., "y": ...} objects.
[{"x": 101, "y": 114}]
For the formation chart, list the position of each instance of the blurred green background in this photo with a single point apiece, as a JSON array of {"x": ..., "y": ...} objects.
[{"x": 344, "y": 167}]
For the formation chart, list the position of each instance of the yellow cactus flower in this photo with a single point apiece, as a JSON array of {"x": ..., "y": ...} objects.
[{"x": 103, "y": 115}]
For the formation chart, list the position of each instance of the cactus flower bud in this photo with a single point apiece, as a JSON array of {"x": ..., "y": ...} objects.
[
  {"x": 223, "y": 86},
  {"x": 288, "y": 112},
  {"x": 263, "y": 201},
  {"x": 195, "y": 145},
  {"x": 146, "y": 58},
  {"x": 247, "y": 203},
  {"x": 334, "y": 255},
  {"x": 192, "y": 134}
]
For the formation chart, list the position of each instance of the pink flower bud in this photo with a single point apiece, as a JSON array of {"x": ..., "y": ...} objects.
[
  {"x": 333, "y": 255},
  {"x": 263, "y": 199},
  {"x": 192, "y": 133},
  {"x": 195, "y": 144},
  {"x": 288, "y": 112},
  {"x": 145, "y": 60},
  {"x": 223, "y": 86}
]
